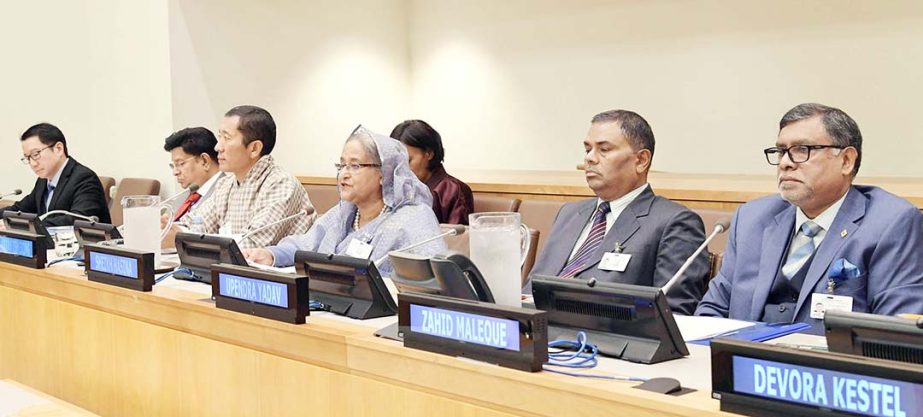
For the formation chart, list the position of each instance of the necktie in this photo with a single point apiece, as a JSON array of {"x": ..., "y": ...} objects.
[
  {"x": 592, "y": 242},
  {"x": 804, "y": 242},
  {"x": 48, "y": 196},
  {"x": 183, "y": 209}
]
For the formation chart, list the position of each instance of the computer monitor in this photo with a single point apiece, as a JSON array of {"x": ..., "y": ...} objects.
[
  {"x": 198, "y": 252},
  {"x": 27, "y": 222},
  {"x": 95, "y": 232},
  {"x": 874, "y": 336},
  {"x": 346, "y": 285},
  {"x": 451, "y": 274},
  {"x": 630, "y": 322}
]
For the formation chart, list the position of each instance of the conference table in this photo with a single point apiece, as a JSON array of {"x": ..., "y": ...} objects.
[{"x": 117, "y": 352}]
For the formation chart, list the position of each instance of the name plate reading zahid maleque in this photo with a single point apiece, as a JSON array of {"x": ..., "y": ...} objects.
[
  {"x": 763, "y": 380},
  {"x": 119, "y": 266},
  {"x": 508, "y": 336},
  {"x": 23, "y": 248},
  {"x": 272, "y": 295}
]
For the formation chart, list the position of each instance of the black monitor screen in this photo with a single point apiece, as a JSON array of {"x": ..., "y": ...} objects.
[
  {"x": 630, "y": 322},
  {"x": 874, "y": 336},
  {"x": 198, "y": 252},
  {"x": 94, "y": 232},
  {"x": 346, "y": 285}
]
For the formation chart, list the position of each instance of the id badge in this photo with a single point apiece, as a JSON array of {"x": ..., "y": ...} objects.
[
  {"x": 359, "y": 249},
  {"x": 822, "y": 303},
  {"x": 613, "y": 261}
]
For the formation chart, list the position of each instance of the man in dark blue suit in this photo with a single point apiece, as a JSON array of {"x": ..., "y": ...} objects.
[{"x": 823, "y": 243}]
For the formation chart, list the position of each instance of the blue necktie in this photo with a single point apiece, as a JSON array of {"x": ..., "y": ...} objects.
[
  {"x": 48, "y": 196},
  {"x": 804, "y": 242},
  {"x": 589, "y": 246}
]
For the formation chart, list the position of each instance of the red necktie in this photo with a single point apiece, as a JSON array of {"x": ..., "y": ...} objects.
[{"x": 183, "y": 209}]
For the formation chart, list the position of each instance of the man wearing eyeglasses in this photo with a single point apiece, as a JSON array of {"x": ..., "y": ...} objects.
[
  {"x": 254, "y": 195},
  {"x": 194, "y": 161},
  {"x": 627, "y": 234},
  {"x": 63, "y": 183},
  {"x": 823, "y": 240}
]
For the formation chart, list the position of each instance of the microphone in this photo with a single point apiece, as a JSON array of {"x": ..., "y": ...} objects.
[
  {"x": 306, "y": 212},
  {"x": 12, "y": 193},
  {"x": 79, "y": 216},
  {"x": 720, "y": 227},
  {"x": 192, "y": 188},
  {"x": 454, "y": 231}
]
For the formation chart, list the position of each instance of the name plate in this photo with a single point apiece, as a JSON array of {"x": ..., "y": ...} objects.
[
  {"x": 511, "y": 337},
  {"x": 272, "y": 295},
  {"x": 119, "y": 266},
  {"x": 764, "y": 380},
  {"x": 23, "y": 248}
]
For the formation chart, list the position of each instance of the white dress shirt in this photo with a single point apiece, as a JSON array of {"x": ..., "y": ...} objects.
[{"x": 616, "y": 207}]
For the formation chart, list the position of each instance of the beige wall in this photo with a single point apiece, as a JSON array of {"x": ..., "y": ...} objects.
[
  {"x": 98, "y": 69},
  {"x": 513, "y": 84},
  {"x": 510, "y": 84}
]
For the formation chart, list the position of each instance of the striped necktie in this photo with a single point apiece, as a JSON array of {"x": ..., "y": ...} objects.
[
  {"x": 804, "y": 242},
  {"x": 595, "y": 238}
]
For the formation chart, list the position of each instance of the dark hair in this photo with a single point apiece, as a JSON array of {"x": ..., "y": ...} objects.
[
  {"x": 420, "y": 134},
  {"x": 47, "y": 133},
  {"x": 255, "y": 124},
  {"x": 841, "y": 128},
  {"x": 194, "y": 141},
  {"x": 634, "y": 127}
]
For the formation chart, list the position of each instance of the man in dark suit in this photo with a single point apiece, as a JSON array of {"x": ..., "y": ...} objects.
[
  {"x": 62, "y": 184},
  {"x": 627, "y": 234},
  {"x": 823, "y": 240}
]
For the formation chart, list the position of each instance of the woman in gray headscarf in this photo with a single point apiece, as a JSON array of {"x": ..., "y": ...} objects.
[{"x": 383, "y": 207}]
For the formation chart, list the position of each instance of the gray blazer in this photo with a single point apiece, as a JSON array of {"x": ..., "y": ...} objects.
[{"x": 658, "y": 234}]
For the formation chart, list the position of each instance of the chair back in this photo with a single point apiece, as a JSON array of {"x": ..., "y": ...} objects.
[
  {"x": 108, "y": 183},
  {"x": 323, "y": 197},
  {"x": 131, "y": 186},
  {"x": 487, "y": 203},
  {"x": 539, "y": 215}
]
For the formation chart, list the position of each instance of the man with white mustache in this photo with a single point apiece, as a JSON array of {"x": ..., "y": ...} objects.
[
  {"x": 627, "y": 234},
  {"x": 823, "y": 240}
]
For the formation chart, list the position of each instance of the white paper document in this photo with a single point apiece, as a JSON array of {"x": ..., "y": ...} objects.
[
  {"x": 699, "y": 328},
  {"x": 13, "y": 399}
]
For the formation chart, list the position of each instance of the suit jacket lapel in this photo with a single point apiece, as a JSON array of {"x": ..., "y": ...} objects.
[
  {"x": 575, "y": 226},
  {"x": 62, "y": 183},
  {"x": 624, "y": 227},
  {"x": 852, "y": 210},
  {"x": 775, "y": 240}
]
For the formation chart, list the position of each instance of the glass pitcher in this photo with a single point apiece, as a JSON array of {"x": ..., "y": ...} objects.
[
  {"x": 498, "y": 245},
  {"x": 141, "y": 223}
]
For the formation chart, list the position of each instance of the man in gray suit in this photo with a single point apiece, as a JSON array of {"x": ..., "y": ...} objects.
[{"x": 627, "y": 234}]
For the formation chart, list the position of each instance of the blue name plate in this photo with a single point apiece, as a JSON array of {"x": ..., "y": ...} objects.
[
  {"x": 465, "y": 327},
  {"x": 255, "y": 290},
  {"x": 119, "y": 266},
  {"x": 23, "y": 248},
  {"x": 866, "y": 395},
  {"x": 763, "y": 380},
  {"x": 269, "y": 294},
  {"x": 16, "y": 247},
  {"x": 114, "y": 264}
]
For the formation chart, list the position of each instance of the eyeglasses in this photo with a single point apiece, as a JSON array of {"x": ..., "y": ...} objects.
[
  {"x": 353, "y": 166},
  {"x": 34, "y": 156},
  {"x": 797, "y": 153},
  {"x": 179, "y": 164}
]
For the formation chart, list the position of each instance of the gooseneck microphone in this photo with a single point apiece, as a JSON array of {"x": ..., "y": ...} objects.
[
  {"x": 454, "y": 231},
  {"x": 306, "y": 212},
  {"x": 192, "y": 188},
  {"x": 11, "y": 193},
  {"x": 93, "y": 219},
  {"x": 720, "y": 227}
]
